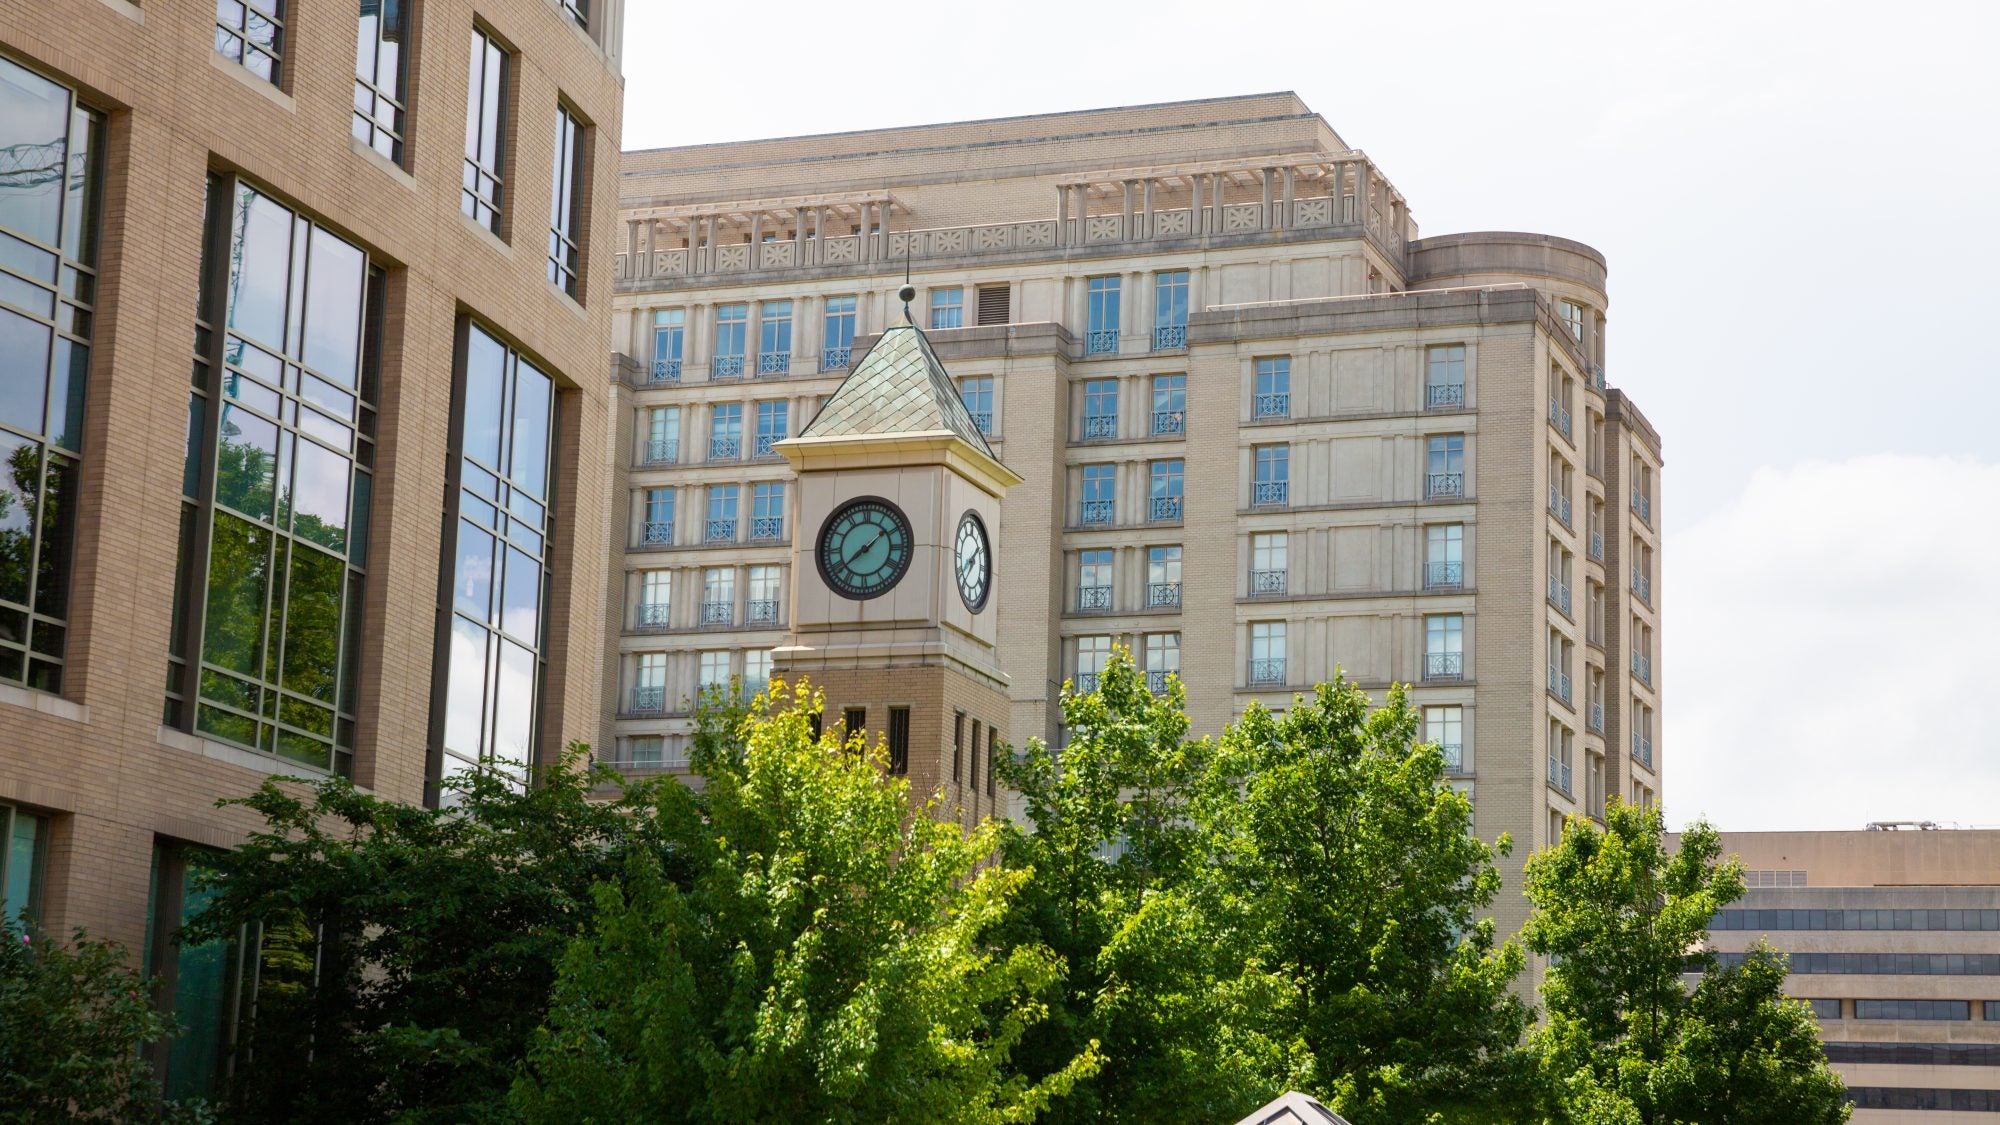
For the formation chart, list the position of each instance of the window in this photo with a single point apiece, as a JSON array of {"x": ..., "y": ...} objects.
[
  {"x": 756, "y": 671},
  {"x": 656, "y": 588},
  {"x": 669, "y": 341},
  {"x": 1444, "y": 646},
  {"x": 649, "y": 684},
  {"x": 200, "y": 982},
  {"x": 1444, "y": 465},
  {"x": 379, "y": 75},
  {"x": 1092, "y": 654},
  {"x": 1100, "y": 409},
  {"x": 566, "y": 201},
  {"x": 838, "y": 351},
  {"x": 1163, "y": 659},
  {"x": 1101, "y": 338},
  {"x": 1562, "y": 657},
  {"x": 767, "y": 511},
  {"x": 274, "y": 543},
  {"x": 1170, "y": 309},
  {"x": 1093, "y": 586},
  {"x": 721, "y": 525},
  {"x": 1444, "y": 556},
  {"x": 1272, "y": 396},
  {"x": 732, "y": 330},
  {"x": 773, "y": 425},
  {"x": 899, "y": 740},
  {"x": 1099, "y": 489},
  {"x": 252, "y": 32},
  {"x": 1444, "y": 377},
  {"x": 977, "y": 393},
  {"x": 774, "y": 338},
  {"x": 1572, "y": 318},
  {"x": 1445, "y": 726},
  {"x": 1272, "y": 486},
  {"x": 856, "y": 721},
  {"x": 765, "y": 590},
  {"x": 1913, "y": 1009},
  {"x": 1830, "y": 1010},
  {"x": 24, "y": 841},
  {"x": 663, "y": 435},
  {"x": 972, "y": 776},
  {"x": 577, "y": 10},
  {"x": 957, "y": 745},
  {"x": 1268, "y": 563},
  {"x": 712, "y": 671},
  {"x": 1169, "y": 404},
  {"x": 1167, "y": 486},
  {"x": 725, "y": 432},
  {"x": 995, "y": 304},
  {"x": 992, "y": 755},
  {"x": 49, "y": 190},
  {"x": 1267, "y": 653},
  {"x": 485, "y": 120},
  {"x": 659, "y": 522},
  {"x": 948, "y": 307},
  {"x": 1163, "y": 577}
]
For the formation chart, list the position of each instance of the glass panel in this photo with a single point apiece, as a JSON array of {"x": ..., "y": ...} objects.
[
  {"x": 259, "y": 267},
  {"x": 22, "y": 854},
  {"x": 485, "y": 368},
  {"x": 24, "y": 381},
  {"x": 34, "y": 115},
  {"x": 239, "y": 565},
  {"x": 20, "y": 493},
  {"x": 319, "y": 496},
  {"x": 521, "y": 609},
  {"x": 530, "y": 468},
  {"x": 333, "y": 308},
  {"x": 312, "y": 624},
  {"x": 201, "y": 988},
  {"x": 473, "y": 588},
  {"x": 58, "y": 520},
  {"x": 246, "y": 465},
  {"x": 514, "y": 705},
  {"x": 465, "y": 694}
]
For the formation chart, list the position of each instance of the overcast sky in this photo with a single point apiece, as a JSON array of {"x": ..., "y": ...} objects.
[{"x": 1797, "y": 202}]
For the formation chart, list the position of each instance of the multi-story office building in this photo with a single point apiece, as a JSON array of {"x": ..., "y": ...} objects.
[
  {"x": 303, "y": 322},
  {"x": 1267, "y": 432},
  {"x": 1894, "y": 938}
]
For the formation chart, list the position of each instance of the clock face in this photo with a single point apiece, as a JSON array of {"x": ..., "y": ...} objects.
[
  {"x": 864, "y": 548},
  {"x": 974, "y": 562}
]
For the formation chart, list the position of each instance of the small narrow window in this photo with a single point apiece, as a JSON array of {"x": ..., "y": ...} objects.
[
  {"x": 485, "y": 119},
  {"x": 958, "y": 747},
  {"x": 566, "y": 202},
  {"x": 992, "y": 756},
  {"x": 972, "y": 779},
  {"x": 899, "y": 740},
  {"x": 855, "y": 719}
]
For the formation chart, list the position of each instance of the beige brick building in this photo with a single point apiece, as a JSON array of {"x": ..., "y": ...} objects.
[
  {"x": 1266, "y": 431},
  {"x": 1894, "y": 937},
  {"x": 301, "y": 397}
]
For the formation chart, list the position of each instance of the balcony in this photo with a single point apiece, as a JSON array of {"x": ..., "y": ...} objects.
[
  {"x": 1156, "y": 679},
  {"x": 1444, "y": 576},
  {"x": 725, "y": 367},
  {"x": 1169, "y": 422},
  {"x": 773, "y": 363},
  {"x": 1559, "y": 685},
  {"x": 1438, "y": 486},
  {"x": 1098, "y": 427},
  {"x": 1165, "y": 508},
  {"x": 1444, "y": 667},
  {"x": 762, "y": 450},
  {"x": 984, "y": 420},
  {"x": 1444, "y": 396},
  {"x": 1093, "y": 599},
  {"x": 760, "y": 611},
  {"x": 1593, "y": 376},
  {"x": 767, "y": 529},
  {"x": 1100, "y": 343},
  {"x": 1597, "y": 545},
  {"x": 1559, "y": 418},
  {"x": 719, "y": 531},
  {"x": 1559, "y": 775},
  {"x": 836, "y": 359},
  {"x": 657, "y": 533},
  {"x": 1163, "y": 595},
  {"x": 718, "y": 615},
  {"x": 1559, "y": 506},
  {"x": 1559, "y": 594},
  {"x": 1096, "y": 512},
  {"x": 1270, "y": 494},
  {"x": 652, "y": 617},
  {"x": 1642, "y": 587},
  {"x": 725, "y": 448},
  {"x": 649, "y": 758},
  {"x": 1168, "y": 337},
  {"x": 1267, "y": 583},
  {"x": 1642, "y": 504},
  {"x": 666, "y": 371},
  {"x": 1083, "y": 683},
  {"x": 1595, "y": 719},
  {"x": 648, "y": 700},
  {"x": 1264, "y": 673},
  {"x": 663, "y": 451},
  {"x": 1277, "y": 404},
  {"x": 1642, "y": 750},
  {"x": 1642, "y": 667}
]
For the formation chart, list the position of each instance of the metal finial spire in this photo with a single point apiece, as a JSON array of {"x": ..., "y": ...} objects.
[{"x": 908, "y": 292}]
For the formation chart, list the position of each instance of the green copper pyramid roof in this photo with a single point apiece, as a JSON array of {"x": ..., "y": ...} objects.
[{"x": 898, "y": 387}]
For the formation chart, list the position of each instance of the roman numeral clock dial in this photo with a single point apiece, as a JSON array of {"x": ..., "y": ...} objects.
[
  {"x": 864, "y": 548},
  {"x": 973, "y": 560}
]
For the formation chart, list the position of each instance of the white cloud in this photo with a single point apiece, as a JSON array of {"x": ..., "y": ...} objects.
[{"x": 1830, "y": 645}]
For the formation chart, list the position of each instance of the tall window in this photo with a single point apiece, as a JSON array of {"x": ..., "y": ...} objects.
[
  {"x": 23, "y": 842},
  {"x": 669, "y": 341},
  {"x": 1170, "y": 309},
  {"x": 1169, "y": 404},
  {"x": 1092, "y": 654},
  {"x": 762, "y": 606},
  {"x": 1267, "y": 652},
  {"x": 948, "y": 307},
  {"x": 1100, "y": 409},
  {"x": 1163, "y": 659},
  {"x": 659, "y": 522},
  {"x": 1444, "y": 646},
  {"x": 1444, "y": 465},
  {"x": 1272, "y": 396},
  {"x": 49, "y": 187},
  {"x": 1167, "y": 487},
  {"x": 274, "y": 538},
  {"x": 1093, "y": 581},
  {"x": 977, "y": 391},
  {"x": 899, "y": 740},
  {"x": 725, "y": 432},
  {"x": 1272, "y": 486},
  {"x": 578, "y": 10},
  {"x": 774, "y": 338},
  {"x": 485, "y": 121},
  {"x": 379, "y": 71},
  {"x": 656, "y": 589},
  {"x": 1101, "y": 337},
  {"x": 718, "y": 595},
  {"x": 1445, "y": 726},
  {"x": 566, "y": 201},
  {"x": 838, "y": 350},
  {"x": 649, "y": 683},
  {"x": 663, "y": 435},
  {"x": 1268, "y": 563},
  {"x": 721, "y": 526},
  {"x": 732, "y": 334},
  {"x": 492, "y": 658},
  {"x": 713, "y": 671},
  {"x": 756, "y": 670},
  {"x": 252, "y": 32},
  {"x": 1100, "y": 489},
  {"x": 767, "y": 511},
  {"x": 1572, "y": 318},
  {"x": 1163, "y": 577},
  {"x": 1444, "y": 556},
  {"x": 199, "y": 980},
  {"x": 1444, "y": 376}
]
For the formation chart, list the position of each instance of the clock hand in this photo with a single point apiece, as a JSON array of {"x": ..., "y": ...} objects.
[{"x": 865, "y": 546}]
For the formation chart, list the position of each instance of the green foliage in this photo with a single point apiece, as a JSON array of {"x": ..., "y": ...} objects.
[
  {"x": 817, "y": 957},
  {"x": 1625, "y": 1040},
  {"x": 71, "y": 1022}
]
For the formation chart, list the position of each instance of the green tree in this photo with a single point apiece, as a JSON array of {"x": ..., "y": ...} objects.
[
  {"x": 817, "y": 956},
  {"x": 1626, "y": 1040}
]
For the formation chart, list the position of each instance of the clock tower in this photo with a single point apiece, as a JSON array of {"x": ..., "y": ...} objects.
[{"x": 896, "y": 545}]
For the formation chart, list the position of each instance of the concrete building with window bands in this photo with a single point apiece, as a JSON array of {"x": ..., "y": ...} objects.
[
  {"x": 1894, "y": 938},
  {"x": 246, "y": 408},
  {"x": 1267, "y": 430}
]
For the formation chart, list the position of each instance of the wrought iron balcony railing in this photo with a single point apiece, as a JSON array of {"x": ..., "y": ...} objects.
[
  {"x": 1093, "y": 598},
  {"x": 1438, "y": 485},
  {"x": 1559, "y": 593},
  {"x": 1642, "y": 504},
  {"x": 760, "y": 611},
  {"x": 1444, "y": 575},
  {"x": 719, "y": 531},
  {"x": 1277, "y": 404},
  {"x": 1084, "y": 682},
  {"x": 649, "y": 700},
  {"x": 1559, "y": 505},
  {"x": 1097, "y": 511},
  {"x": 1559, "y": 774},
  {"x": 984, "y": 420},
  {"x": 652, "y": 615},
  {"x": 1270, "y": 493},
  {"x": 1097, "y": 427},
  {"x": 1559, "y": 417},
  {"x": 1642, "y": 749},
  {"x": 725, "y": 448},
  {"x": 1642, "y": 667},
  {"x": 1444, "y": 666},
  {"x": 1166, "y": 508},
  {"x": 1267, "y": 583},
  {"x": 765, "y": 529},
  {"x": 1597, "y": 545},
  {"x": 1169, "y": 336},
  {"x": 834, "y": 359},
  {"x": 774, "y": 363},
  {"x": 1160, "y": 595},
  {"x": 1454, "y": 757},
  {"x": 666, "y": 371},
  {"x": 717, "y": 614},
  {"x": 1156, "y": 679},
  {"x": 1441, "y": 396},
  {"x": 663, "y": 451},
  {"x": 1268, "y": 671},
  {"x": 657, "y": 532},
  {"x": 762, "y": 448},
  {"x": 1596, "y": 720},
  {"x": 1559, "y": 684},
  {"x": 725, "y": 367},
  {"x": 1101, "y": 343},
  {"x": 1643, "y": 587}
]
